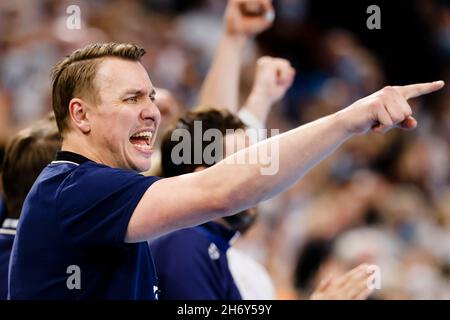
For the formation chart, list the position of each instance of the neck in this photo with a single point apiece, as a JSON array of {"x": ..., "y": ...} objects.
[{"x": 78, "y": 145}]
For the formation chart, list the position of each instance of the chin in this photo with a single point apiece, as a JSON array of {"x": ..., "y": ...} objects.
[
  {"x": 139, "y": 162},
  {"x": 146, "y": 168},
  {"x": 143, "y": 166}
]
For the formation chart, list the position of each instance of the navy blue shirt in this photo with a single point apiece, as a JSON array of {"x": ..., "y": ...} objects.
[
  {"x": 73, "y": 224},
  {"x": 192, "y": 264},
  {"x": 7, "y": 232},
  {"x": 2, "y": 210}
]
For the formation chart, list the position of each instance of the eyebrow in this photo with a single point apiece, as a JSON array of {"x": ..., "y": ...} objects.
[{"x": 138, "y": 92}]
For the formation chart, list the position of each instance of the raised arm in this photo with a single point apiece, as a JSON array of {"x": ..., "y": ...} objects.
[
  {"x": 229, "y": 186},
  {"x": 273, "y": 77},
  {"x": 221, "y": 86}
]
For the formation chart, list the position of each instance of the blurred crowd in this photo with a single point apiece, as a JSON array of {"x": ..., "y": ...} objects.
[{"x": 383, "y": 199}]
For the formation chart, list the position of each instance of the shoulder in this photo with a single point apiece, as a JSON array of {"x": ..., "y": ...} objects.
[
  {"x": 97, "y": 188},
  {"x": 190, "y": 245},
  {"x": 98, "y": 178},
  {"x": 6, "y": 238},
  {"x": 92, "y": 170}
]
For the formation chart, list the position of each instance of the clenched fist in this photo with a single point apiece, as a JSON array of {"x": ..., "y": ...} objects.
[
  {"x": 248, "y": 17},
  {"x": 273, "y": 77}
]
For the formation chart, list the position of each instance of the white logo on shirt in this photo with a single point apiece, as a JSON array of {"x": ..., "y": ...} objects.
[
  {"x": 213, "y": 252},
  {"x": 155, "y": 291}
]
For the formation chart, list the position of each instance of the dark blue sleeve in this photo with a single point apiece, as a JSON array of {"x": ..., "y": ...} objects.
[
  {"x": 2, "y": 211},
  {"x": 185, "y": 270},
  {"x": 95, "y": 204},
  {"x": 6, "y": 242}
]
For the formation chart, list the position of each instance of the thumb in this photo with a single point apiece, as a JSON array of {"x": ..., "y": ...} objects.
[
  {"x": 408, "y": 124},
  {"x": 379, "y": 128}
]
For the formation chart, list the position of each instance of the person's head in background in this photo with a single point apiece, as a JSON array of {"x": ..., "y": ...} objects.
[
  {"x": 27, "y": 154},
  {"x": 170, "y": 110},
  {"x": 314, "y": 254},
  {"x": 210, "y": 118}
]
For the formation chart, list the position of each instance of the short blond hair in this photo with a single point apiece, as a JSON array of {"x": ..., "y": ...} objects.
[{"x": 74, "y": 75}]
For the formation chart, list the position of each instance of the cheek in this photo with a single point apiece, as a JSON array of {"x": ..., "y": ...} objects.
[{"x": 112, "y": 128}]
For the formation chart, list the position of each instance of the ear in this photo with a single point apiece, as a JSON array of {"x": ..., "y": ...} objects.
[{"x": 78, "y": 110}]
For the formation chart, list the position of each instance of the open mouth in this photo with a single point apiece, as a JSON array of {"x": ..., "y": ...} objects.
[{"x": 142, "y": 141}]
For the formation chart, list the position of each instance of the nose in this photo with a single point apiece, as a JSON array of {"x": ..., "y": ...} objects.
[{"x": 151, "y": 112}]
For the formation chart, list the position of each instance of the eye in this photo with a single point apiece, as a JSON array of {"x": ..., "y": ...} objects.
[
  {"x": 132, "y": 99},
  {"x": 152, "y": 97}
]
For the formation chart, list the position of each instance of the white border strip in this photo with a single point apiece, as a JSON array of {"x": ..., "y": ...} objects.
[
  {"x": 10, "y": 223},
  {"x": 8, "y": 231},
  {"x": 63, "y": 161}
]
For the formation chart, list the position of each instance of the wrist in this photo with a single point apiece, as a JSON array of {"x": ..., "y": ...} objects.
[
  {"x": 259, "y": 101},
  {"x": 250, "y": 119},
  {"x": 235, "y": 38},
  {"x": 259, "y": 106},
  {"x": 341, "y": 119}
]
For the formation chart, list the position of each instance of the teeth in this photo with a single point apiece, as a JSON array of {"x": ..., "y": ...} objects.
[
  {"x": 143, "y": 147},
  {"x": 144, "y": 134}
]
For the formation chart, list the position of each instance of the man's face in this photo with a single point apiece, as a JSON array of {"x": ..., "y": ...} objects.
[{"x": 125, "y": 120}]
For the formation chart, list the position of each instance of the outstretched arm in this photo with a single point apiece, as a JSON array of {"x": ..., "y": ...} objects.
[
  {"x": 231, "y": 186},
  {"x": 221, "y": 86}
]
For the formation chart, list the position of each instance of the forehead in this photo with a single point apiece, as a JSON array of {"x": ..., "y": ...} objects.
[{"x": 121, "y": 74}]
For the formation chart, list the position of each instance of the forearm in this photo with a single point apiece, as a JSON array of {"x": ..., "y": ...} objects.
[
  {"x": 233, "y": 185},
  {"x": 299, "y": 150},
  {"x": 258, "y": 106},
  {"x": 221, "y": 86}
]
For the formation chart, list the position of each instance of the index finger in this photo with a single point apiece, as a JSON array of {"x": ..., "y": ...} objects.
[{"x": 419, "y": 89}]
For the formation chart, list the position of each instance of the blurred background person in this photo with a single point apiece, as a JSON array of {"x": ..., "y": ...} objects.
[{"x": 27, "y": 154}]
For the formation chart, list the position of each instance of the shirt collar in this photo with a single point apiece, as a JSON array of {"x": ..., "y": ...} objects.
[{"x": 71, "y": 157}]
